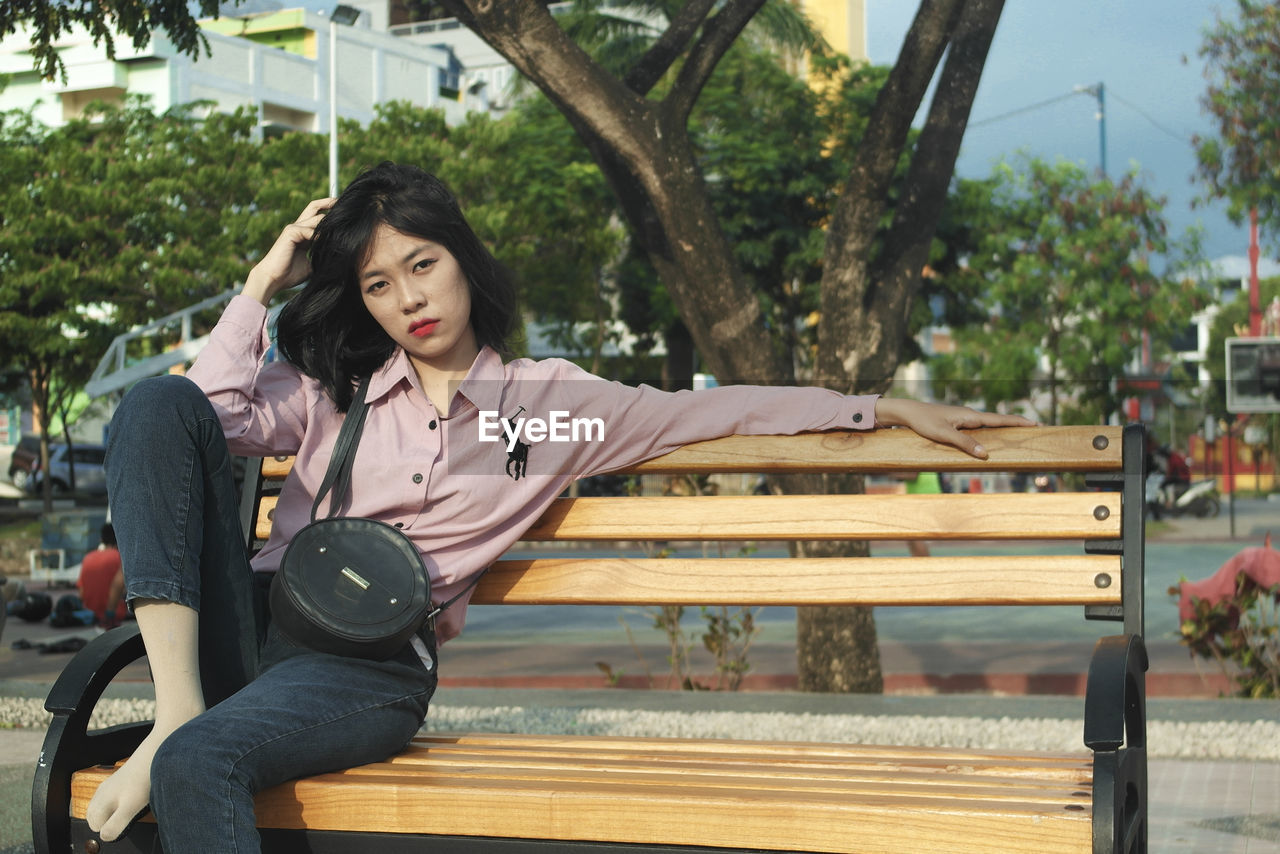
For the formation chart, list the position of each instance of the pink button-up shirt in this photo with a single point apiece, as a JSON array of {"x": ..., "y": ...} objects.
[{"x": 447, "y": 480}]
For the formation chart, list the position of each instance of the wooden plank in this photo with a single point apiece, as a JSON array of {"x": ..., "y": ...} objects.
[
  {"x": 1012, "y": 449},
  {"x": 777, "y": 751},
  {"x": 274, "y": 468},
  {"x": 266, "y": 516},
  {"x": 1039, "y": 516},
  {"x": 689, "y": 815},
  {"x": 977, "y": 580},
  {"x": 1027, "y": 770},
  {"x": 739, "y": 774},
  {"x": 758, "y": 781},
  {"x": 833, "y": 517}
]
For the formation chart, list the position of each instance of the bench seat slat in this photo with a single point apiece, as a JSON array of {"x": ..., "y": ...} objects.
[
  {"x": 623, "y": 811},
  {"x": 748, "y": 780},
  {"x": 833, "y": 517},
  {"x": 1071, "y": 773},
  {"x": 954, "y": 580},
  {"x": 778, "y": 753}
]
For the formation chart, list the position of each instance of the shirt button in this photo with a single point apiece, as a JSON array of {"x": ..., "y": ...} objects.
[
  {"x": 432, "y": 425},
  {"x": 417, "y": 478},
  {"x": 857, "y": 417}
]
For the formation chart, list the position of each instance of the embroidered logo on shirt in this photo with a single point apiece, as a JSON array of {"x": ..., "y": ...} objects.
[{"x": 517, "y": 451}]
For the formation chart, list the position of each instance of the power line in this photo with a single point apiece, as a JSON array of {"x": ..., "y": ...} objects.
[
  {"x": 1084, "y": 90},
  {"x": 1147, "y": 116},
  {"x": 1027, "y": 109}
]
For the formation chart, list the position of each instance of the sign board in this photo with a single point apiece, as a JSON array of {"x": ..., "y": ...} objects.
[{"x": 1253, "y": 375}]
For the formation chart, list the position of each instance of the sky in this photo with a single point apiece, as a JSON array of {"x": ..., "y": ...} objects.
[{"x": 1044, "y": 49}]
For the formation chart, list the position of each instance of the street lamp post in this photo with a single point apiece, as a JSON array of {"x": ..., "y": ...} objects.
[{"x": 345, "y": 15}]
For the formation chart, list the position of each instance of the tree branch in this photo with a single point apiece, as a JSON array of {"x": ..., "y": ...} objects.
[
  {"x": 852, "y": 335},
  {"x": 717, "y": 36},
  {"x": 649, "y": 69},
  {"x": 934, "y": 160},
  {"x": 864, "y": 199}
]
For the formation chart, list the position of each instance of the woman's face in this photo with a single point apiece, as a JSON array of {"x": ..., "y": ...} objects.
[{"x": 417, "y": 292}]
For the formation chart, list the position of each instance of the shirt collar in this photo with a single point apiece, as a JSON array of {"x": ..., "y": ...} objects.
[{"x": 482, "y": 385}]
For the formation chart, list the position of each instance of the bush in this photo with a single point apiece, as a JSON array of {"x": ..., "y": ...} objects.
[{"x": 1241, "y": 633}]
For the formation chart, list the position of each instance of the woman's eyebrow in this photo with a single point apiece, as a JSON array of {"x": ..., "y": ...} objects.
[{"x": 369, "y": 274}]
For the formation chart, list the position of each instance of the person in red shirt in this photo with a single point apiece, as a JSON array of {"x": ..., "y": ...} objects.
[{"x": 101, "y": 582}]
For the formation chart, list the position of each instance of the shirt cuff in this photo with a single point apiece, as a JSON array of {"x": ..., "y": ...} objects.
[
  {"x": 250, "y": 316},
  {"x": 862, "y": 412}
]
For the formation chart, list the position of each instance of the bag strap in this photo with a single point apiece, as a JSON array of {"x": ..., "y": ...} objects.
[
  {"x": 439, "y": 609},
  {"x": 338, "y": 476}
]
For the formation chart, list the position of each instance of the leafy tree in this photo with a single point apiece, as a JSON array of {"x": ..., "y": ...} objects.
[
  {"x": 1242, "y": 65},
  {"x": 49, "y": 20},
  {"x": 1062, "y": 271},
  {"x": 115, "y": 223}
]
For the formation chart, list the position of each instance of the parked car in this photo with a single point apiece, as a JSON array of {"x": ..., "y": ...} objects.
[
  {"x": 25, "y": 460},
  {"x": 91, "y": 479}
]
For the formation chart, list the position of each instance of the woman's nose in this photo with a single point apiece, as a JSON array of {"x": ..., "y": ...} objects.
[{"x": 412, "y": 298}]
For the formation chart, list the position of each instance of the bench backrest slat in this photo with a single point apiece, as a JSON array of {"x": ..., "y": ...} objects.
[
  {"x": 955, "y": 580},
  {"x": 832, "y": 517},
  {"x": 1011, "y": 449},
  {"x": 1048, "y": 516}
]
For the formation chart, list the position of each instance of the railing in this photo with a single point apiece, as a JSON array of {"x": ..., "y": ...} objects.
[{"x": 114, "y": 370}]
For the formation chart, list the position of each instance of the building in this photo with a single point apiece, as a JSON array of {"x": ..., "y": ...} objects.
[{"x": 275, "y": 62}]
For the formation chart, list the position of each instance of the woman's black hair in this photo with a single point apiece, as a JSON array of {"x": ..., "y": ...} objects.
[{"x": 326, "y": 331}]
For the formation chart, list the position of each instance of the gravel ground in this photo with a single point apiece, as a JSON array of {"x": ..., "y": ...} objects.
[{"x": 1246, "y": 740}]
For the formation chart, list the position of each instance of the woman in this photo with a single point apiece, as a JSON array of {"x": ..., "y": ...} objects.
[{"x": 402, "y": 292}]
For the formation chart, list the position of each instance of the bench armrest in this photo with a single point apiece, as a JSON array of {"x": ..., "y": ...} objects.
[
  {"x": 1115, "y": 705},
  {"x": 1115, "y": 729},
  {"x": 68, "y": 745}
]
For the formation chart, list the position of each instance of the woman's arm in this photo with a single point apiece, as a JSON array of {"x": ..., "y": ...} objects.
[{"x": 286, "y": 264}]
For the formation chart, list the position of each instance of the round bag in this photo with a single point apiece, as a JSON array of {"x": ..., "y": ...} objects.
[{"x": 351, "y": 586}]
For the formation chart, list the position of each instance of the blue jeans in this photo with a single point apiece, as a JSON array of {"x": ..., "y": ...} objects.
[{"x": 276, "y": 711}]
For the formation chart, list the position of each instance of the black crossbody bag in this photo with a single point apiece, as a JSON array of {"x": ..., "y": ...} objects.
[{"x": 348, "y": 585}]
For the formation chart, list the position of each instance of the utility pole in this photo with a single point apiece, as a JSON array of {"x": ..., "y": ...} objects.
[{"x": 1099, "y": 91}]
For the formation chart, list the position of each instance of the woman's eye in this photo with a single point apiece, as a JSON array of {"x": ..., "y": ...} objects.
[
  {"x": 375, "y": 287},
  {"x": 423, "y": 264}
]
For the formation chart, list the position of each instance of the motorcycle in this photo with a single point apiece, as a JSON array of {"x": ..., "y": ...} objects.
[{"x": 1199, "y": 499}]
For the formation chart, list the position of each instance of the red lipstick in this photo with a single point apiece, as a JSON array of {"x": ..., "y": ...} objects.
[{"x": 423, "y": 328}]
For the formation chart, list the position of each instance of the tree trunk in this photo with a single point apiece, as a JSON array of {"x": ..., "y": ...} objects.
[{"x": 836, "y": 650}]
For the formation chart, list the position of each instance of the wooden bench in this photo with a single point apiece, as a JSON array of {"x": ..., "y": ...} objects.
[{"x": 537, "y": 793}]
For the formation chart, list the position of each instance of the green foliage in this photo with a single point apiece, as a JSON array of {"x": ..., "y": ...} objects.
[
  {"x": 105, "y": 20},
  {"x": 1238, "y": 164},
  {"x": 1241, "y": 634},
  {"x": 121, "y": 216},
  {"x": 1061, "y": 277}
]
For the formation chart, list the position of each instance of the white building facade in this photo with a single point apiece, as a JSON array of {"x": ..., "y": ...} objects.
[{"x": 287, "y": 81}]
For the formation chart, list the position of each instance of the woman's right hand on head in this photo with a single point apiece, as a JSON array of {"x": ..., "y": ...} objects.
[{"x": 286, "y": 264}]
